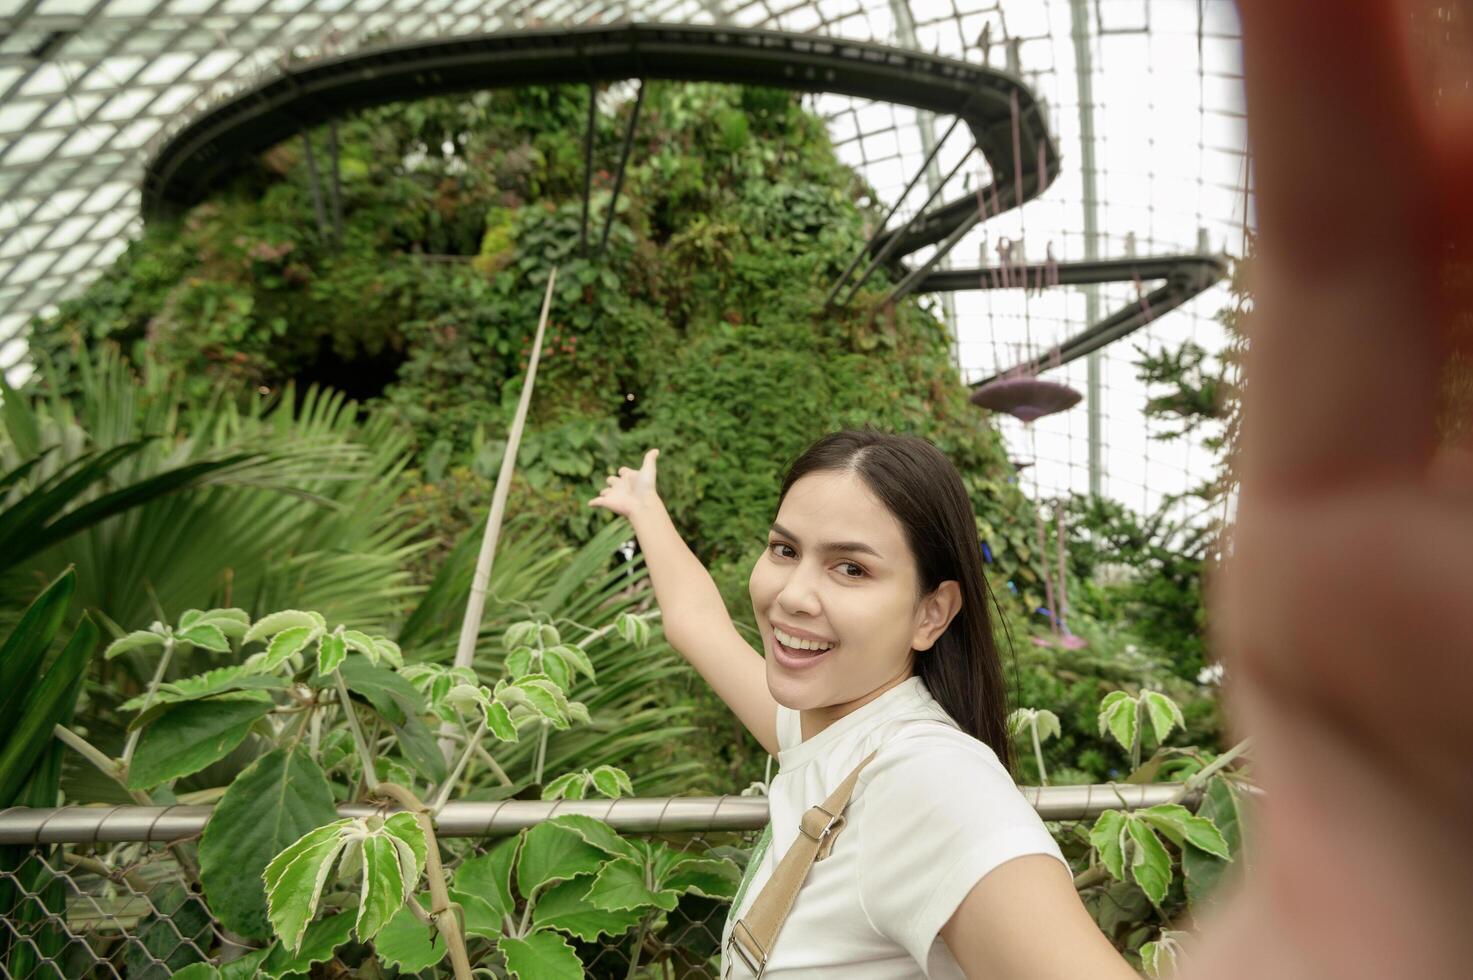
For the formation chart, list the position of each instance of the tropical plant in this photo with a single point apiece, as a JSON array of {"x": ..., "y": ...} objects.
[{"x": 35, "y": 697}]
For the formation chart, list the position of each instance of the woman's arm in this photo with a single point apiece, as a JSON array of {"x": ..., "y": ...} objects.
[
  {"x": 1025, "y": 920},
  {"x": 691, "y": 608}
]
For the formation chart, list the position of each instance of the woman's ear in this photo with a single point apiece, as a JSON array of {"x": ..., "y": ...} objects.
[{"x": 936, "y": 613}]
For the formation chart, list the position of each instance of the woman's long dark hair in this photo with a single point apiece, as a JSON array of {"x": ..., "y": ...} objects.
[{"x": 922, "y": 488}]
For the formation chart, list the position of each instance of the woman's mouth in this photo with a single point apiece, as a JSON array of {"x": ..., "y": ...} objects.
[{"x": 798, "y": 659}]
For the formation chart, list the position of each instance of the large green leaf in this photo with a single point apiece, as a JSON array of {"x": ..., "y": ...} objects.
[
  {"x": 404, "y": 942},
  {"x": 46, "y": 704},
  {"x": 1204, "y": 871},
  {"x": 704, "y": 876},
  {"x": 565, "y": 906},
  {"x": 391, "y": 695},
  {"x": 189, "y": 736},
  {"x": 597, "y": 833},
  {"x": 488, "y": 876},
  {"x": 25, "y": 648},
  {"x": 322, "y": 937},
  {"x": 542, "y": 956},
  {"x": 620, "y": 884},
  {"x": 1118, "y": 716},
  {"x": 276, "y": 800},
  {"x": 550, "y": 854}
]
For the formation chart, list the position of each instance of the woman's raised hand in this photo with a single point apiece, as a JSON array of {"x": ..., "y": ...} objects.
[{"x": 631, "y": 490}]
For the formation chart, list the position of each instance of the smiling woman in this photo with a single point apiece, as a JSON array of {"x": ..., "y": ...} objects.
[{"x": 882, "y": 696}]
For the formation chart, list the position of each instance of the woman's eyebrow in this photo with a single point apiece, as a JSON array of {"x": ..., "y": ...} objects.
[{"x": 831, "y": 546}]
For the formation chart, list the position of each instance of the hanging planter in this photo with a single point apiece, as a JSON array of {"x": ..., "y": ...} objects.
[{"x": 1026, "y": 398}]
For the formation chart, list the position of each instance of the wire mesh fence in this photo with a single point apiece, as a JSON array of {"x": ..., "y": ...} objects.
[{"x": 77, "y": 899}]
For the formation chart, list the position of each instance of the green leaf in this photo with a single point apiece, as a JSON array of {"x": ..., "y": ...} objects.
[
  {"x": 284, "y": 645},
  {"x": 1203, "y": 871},
  {"x": 25, "y": 648},
  {"x": 389, "y": 651},
  {"x": 577, "y": 658},
  {"x": 557, "y": 668},
  {"x": 567, "y": 786},
  {"x": 499, "y": 723},
  {"x": 384, "y": 889},
  {"x": 1179, "y": 824},
  {"x": 232, "y": 622},
  {"x": 549, "y": 636},
  {"x": 612, "y": 782},
  {"x": 1118, "y": 716},
  {"x": 248, "y": 967},
  {"x": 197, "y": 971},
  {"x": 1151, "y": 864},
  {"x": 48, "y": 703},
  {"x": 553, "y": 853},
  {"x": 136, "y": 640},
  {"x": 620, "y": 885},
  {"x": 279, "y": 621},
  {"x": 565, "y": 906},
  {"x": 488, "y": 876},
  {"x": 1108, "y": 838},
  {"x": 419, "y": 746},
  {"x": 480, "y": 918},
  {"x": 332, "y": 650},
  {"x": 1048, "y": 725},
  {"x": 211, "y": 682},
  {"x": 519, "y": 634},
  {"x": 361, "y": 642},
  {"x": 404, "y": 942},
  {"x": 542, "y": 956},
  {"x": 1163, "y": 712},
  {"x": 189, "y": 736},
  {"x": 322, "y": 937},
  {"x": 295, "y": 878},
  {"x": 519, "y": 662},
  {"x": 598, "y": 834},
  {"x": 276, "y": 800},
  {"x": 391, "y": 695},
  {"x": 205, "y": 635},
  {"x": 705, "y": 876},
  {"x": 405, "y": 827}
]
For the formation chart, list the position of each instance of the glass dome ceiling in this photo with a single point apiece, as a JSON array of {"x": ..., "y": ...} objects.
[{"x": 1143, "y": 99}]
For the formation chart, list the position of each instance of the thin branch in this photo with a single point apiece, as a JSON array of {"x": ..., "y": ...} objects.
[
  {"x": 444, "y": 912},
  {"x": 450, "y": 781},
  {"x": 153, "y": 690},
  {"x": 370, "y": 777}
]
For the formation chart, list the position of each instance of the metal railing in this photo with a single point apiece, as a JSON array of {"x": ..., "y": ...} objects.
[{"x": 95, "y": 891}]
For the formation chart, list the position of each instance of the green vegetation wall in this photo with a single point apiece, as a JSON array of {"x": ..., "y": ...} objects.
[{"x": 700, "y": 329}]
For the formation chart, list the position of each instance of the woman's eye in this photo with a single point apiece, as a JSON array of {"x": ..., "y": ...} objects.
[{"x": 847, "y": 564}]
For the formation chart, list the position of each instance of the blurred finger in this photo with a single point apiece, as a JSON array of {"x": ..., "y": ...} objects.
[{"x": 1346, "y": 339}]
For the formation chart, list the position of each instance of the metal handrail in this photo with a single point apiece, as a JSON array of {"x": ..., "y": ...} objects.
[{"x": 688, "y": 814}]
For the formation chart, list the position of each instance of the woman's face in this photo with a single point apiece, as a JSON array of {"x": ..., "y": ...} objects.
[{"x": 860, "y": 596}]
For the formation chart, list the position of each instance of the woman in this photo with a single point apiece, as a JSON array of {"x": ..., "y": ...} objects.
[
  {"x": 873, "y": 611},
  {"x": 1343, "y": 615}
]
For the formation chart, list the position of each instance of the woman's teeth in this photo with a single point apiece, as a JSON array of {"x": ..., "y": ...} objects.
[{"x": 793, "y": 643}]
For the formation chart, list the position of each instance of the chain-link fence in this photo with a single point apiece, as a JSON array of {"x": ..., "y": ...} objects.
[{"x": 112, "y": 891}]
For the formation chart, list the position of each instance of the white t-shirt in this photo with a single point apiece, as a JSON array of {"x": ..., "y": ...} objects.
[{"x": 932, "y": 813}]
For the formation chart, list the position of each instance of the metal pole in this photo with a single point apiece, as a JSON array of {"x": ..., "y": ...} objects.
[
  {"x": 588, "y": 166},
  {"x": 1083, "y": 70},
  {"x": 603, "y": 240},
  {"x": 905, "y": 30}
]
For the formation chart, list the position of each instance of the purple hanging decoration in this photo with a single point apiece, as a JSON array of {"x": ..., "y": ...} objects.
[{"x": 1025, "y": 397}]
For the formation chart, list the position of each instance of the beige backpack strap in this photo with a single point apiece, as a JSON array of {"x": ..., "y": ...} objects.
[{"x": 753, "y": 934}]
